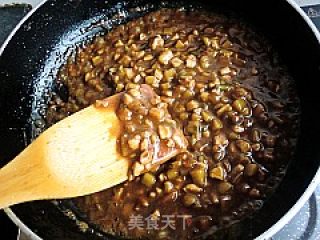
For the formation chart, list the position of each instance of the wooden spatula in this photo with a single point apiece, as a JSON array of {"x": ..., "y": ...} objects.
[{"x": 76, "y": 156}]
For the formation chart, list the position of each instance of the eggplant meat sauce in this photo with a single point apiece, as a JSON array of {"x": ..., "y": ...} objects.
[{"x": 224, "y": 87}]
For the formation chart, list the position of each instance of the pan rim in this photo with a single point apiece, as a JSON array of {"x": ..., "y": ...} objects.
[
  {"x": 276, "y": 227},
  {"x": 13, "y": 217},
  {"x": 18, "y": 26}
]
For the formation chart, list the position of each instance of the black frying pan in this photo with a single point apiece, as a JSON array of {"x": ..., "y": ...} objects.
[{"x": 30, "y": 60}]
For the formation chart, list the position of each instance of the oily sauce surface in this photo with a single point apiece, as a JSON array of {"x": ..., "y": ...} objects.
[{"x": 224, "y": 86}]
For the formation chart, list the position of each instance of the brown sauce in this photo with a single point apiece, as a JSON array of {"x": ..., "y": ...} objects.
[{"x": 224, "y": 86}]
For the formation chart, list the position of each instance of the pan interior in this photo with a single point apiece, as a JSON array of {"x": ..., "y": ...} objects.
[{"x": 30, "y": 63}]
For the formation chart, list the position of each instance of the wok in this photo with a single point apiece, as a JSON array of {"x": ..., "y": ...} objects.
[{"x": 30, "y": 59}]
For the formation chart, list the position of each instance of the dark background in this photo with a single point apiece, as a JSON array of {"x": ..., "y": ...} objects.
[{"x": 7, "y": 227}]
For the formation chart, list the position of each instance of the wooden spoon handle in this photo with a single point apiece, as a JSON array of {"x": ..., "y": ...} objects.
[
  {"x": 58, "y": 164},
  {"x": 24, "y": 179},
  {"x": 75, "y": 157},
  {"x": 27, "y": 178}
]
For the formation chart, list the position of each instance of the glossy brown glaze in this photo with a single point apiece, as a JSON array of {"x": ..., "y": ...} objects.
[{"x": 226, "y": 89}]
